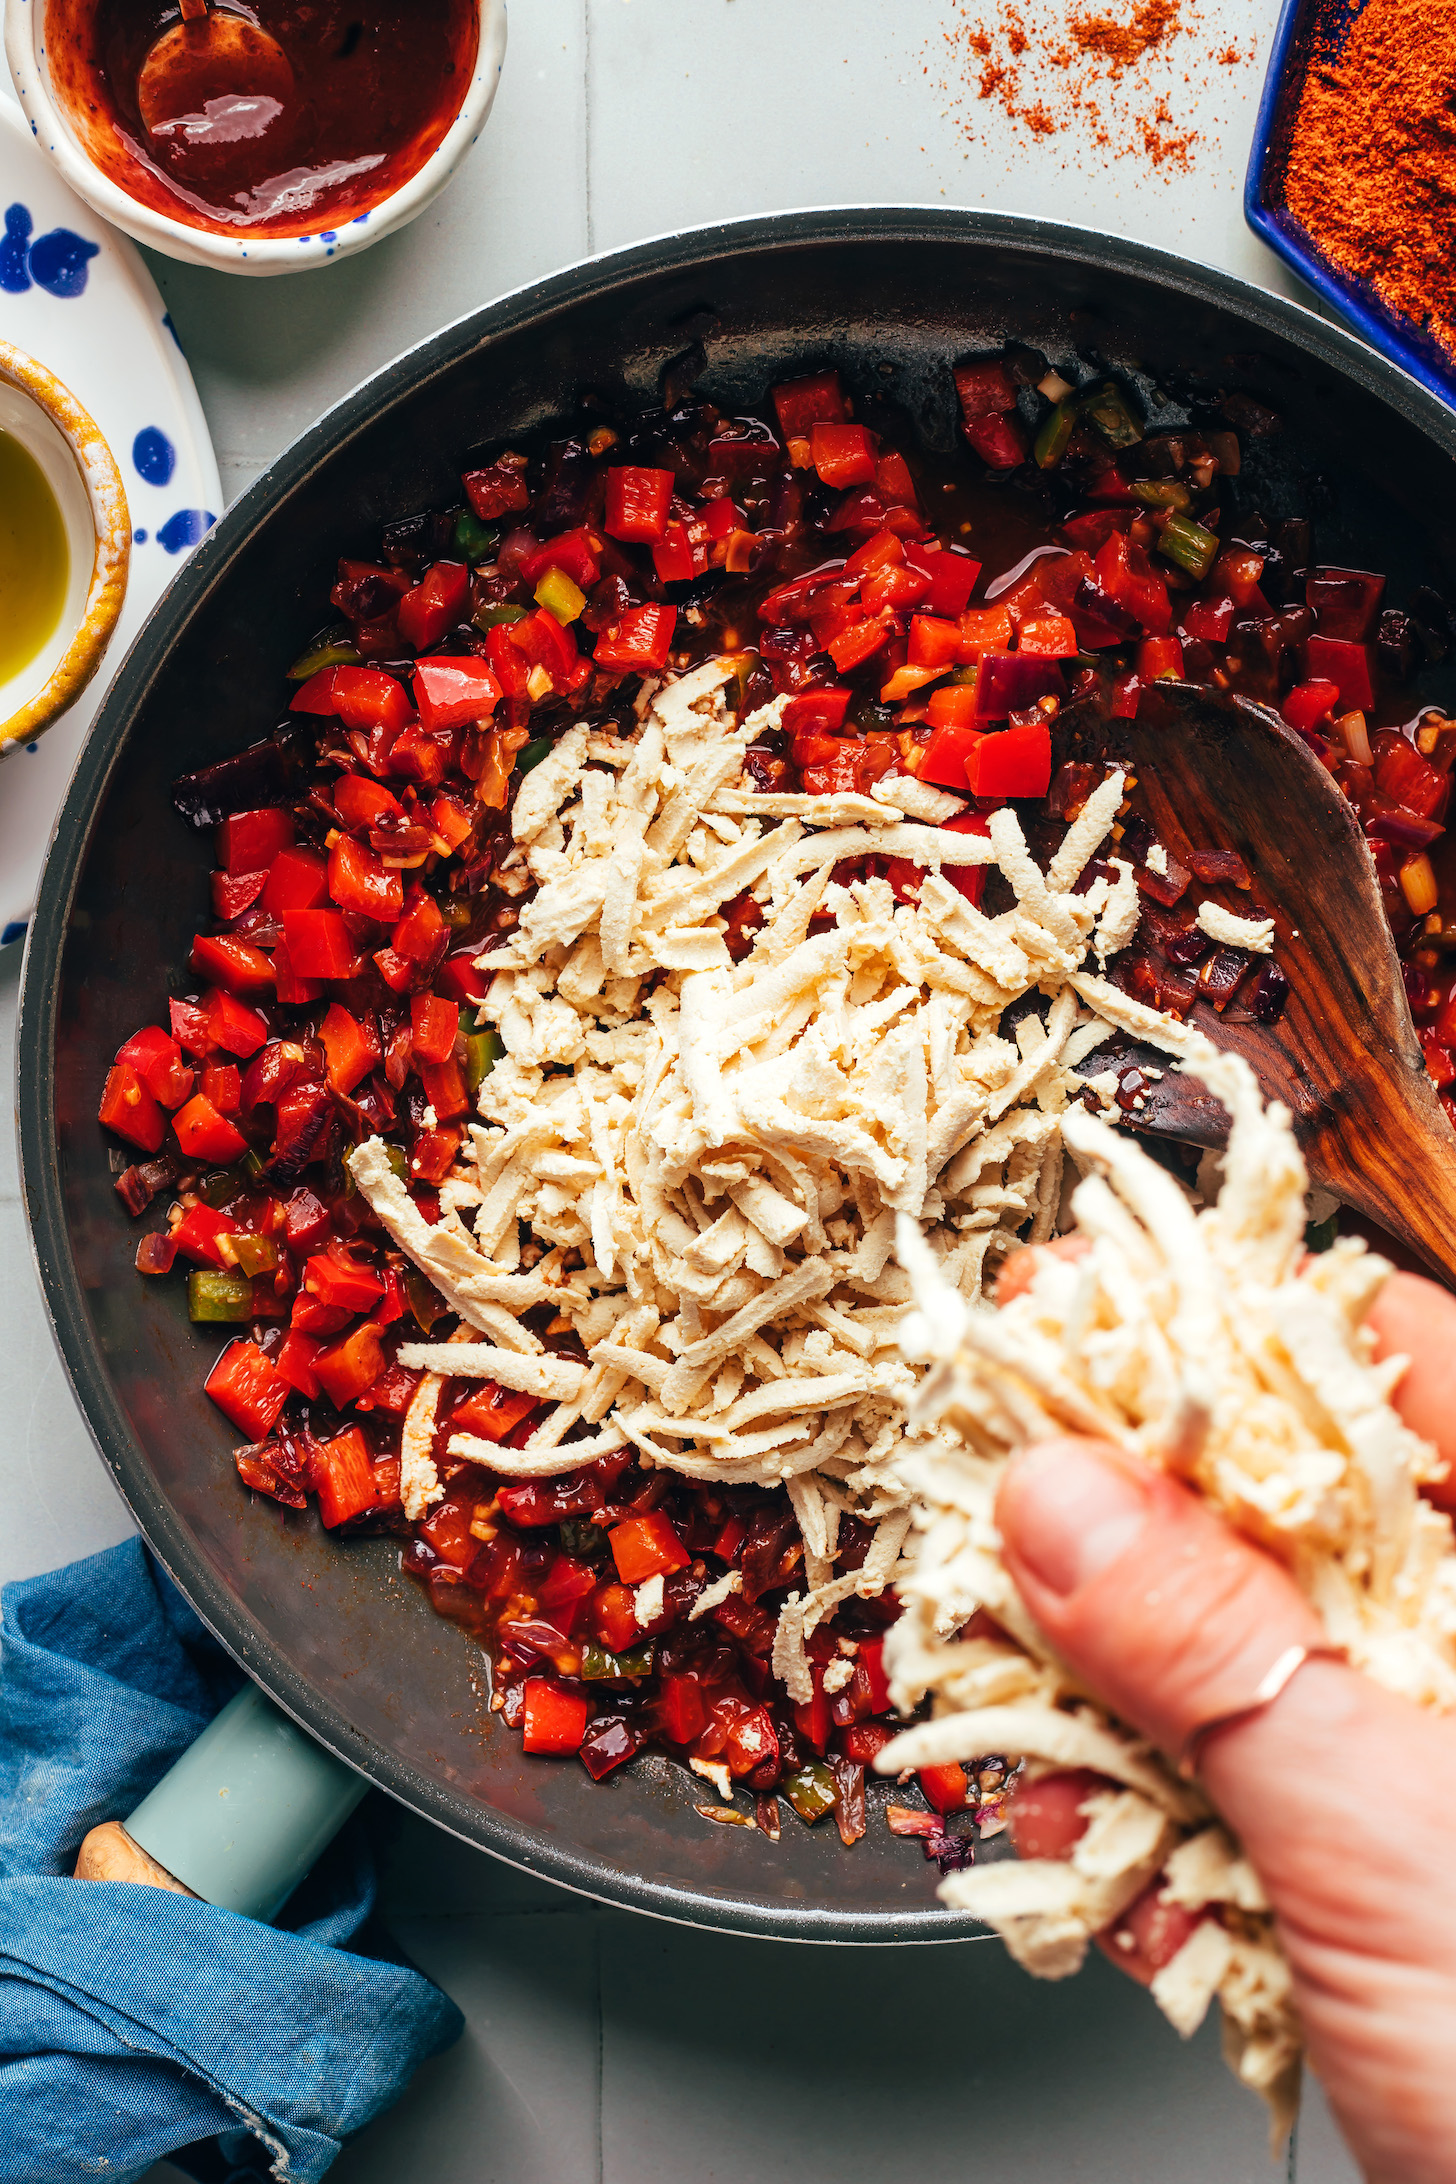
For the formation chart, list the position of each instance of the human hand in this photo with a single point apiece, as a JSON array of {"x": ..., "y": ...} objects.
[{"x": 1341, "y": 1793}]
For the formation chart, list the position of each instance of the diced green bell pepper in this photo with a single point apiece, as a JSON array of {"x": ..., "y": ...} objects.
[
  {"x": 490, "y": 617},
  {"x": 219, "y": 1186},
  {"x": 1109, "y": 412},
  {"x": 483, "y": 1049},
  {"x": 534, "y": 753},
  {"x": 396, "y": 1157},
  {"x": 341, "y": 654},
  {"x": 1162, "y": 493},
  {"x": 1056, "y": 430},
  {"x": 1189, "y": 545},
  {"x": 424, "y": 1300},
  {"x": 599, "y": 1666},
  {"x": 582, "y": 1538},
  {"x": 213, "y": 1296},
  {"x": 811, "y": 1791},
  {"x": 255, "y": 1254},
  {"x": 456, "y": 912},
  {"x": 1320, "y": 1235},
  {"x": 474, "y": 539}
]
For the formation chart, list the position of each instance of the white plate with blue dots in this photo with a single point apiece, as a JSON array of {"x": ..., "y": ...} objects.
[{"x": 75, "y": 294}]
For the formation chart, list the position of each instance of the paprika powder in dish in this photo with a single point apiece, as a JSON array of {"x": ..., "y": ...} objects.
[
  {"x": 1371, "y": 166},
  {"x": 277, "y": 119}
]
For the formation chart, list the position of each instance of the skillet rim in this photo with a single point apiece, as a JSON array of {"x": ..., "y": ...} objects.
[{"x": 685, "y": 252}]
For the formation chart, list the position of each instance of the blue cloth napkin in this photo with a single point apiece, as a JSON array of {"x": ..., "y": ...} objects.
[{"x": 134, "y": 2022}]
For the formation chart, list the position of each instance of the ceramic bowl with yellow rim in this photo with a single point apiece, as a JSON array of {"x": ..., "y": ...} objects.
[{"x": 65, "y": 544}]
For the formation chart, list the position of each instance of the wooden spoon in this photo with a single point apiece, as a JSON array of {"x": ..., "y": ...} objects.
[
  {"x": 213, "y": 75},
  {"x": 1219, "y": 772}
]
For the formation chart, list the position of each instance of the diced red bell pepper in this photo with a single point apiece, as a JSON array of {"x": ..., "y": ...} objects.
[
  {"x": 1125, "y": 573},
  {"x": 675, "y": 557},
  {"x": 308, "y": 1317},
  {"x": 450, "y": 820},
  {"x": 1346, "y": 602},
  {"x": 945, "y": 1788},
  {"x": 884, "y": 551},
  {"x": 157, "y": 1059},
  {"x": 1010, "y": 682},
  {"x": 644, "y": 1546},
  {"x": 342, "y": 1283},
  {"x": 232, "y": 1026},
  {"x": 350, "y": 1365},
  {"x": 361, "y": 697},
  {"x": 1149, "y": 1933},
  {"x": 751, "y": 1742},
  {"x": 968, "y": 880},
  {"x": 953, "y": 705},
  {"x": 638, "y": 641},
  {"x": 298, "y": 879},
  {"x": 1308, "y": 703},
  {"x": 492, "y": 1412},
  {"x": 577, "y": 553},
  {"x": 863, "y": 1741},
  {"x": 223, "y": 1085},
  {"x": 128, "y": 1108},
  {"x": 499, "y": 488},
  {"x": 232, "y": 893},
  {"x": 681, "y": 1713},
  {"x": 420, "y": 754},
  {"x": 452, "y": 693},
  {"x": 638, "y": 501},
  {"x": 361, "y": 802},
  {"x": 1051, "y": 637},
  {"x": 432, "y": 1155},
  {"x": 542, "y": 642},
  {"x": 855, "y": 643},
  {"x": 1159, "y": 656},
  {"x": 952, "y": 580},
  {"x": 554, "y": 1719},
  {"x": 1016, "y": 762},
  {"x": 204, "y": 1134},
  {"x": 418, "y": 935},
  {"x": 459, "y": 978},
  {"x": 983, "y": 630},
  {"x": 435, "y": 604},
  {"x": 812, "y": 1720},
  {"x": 1001, "y": 442},
  {"x": 871, "y": 1658},
  {"x": 445, "y": 1089},
  {"x": 893, "y": 480},
  {"x": 224, "y": 960},
  {"x": 512, "y": 668},
  {"x": 1347, "y": 666},
  {"x": 293, "y": 990},
  {"x": 1210, "y": 619},
  {"x": 947, "y": 753},
  {"x": 934, "y": 642},
  {"x": 843, "y": 455},
  {"x": 801, "y": 404},
  {"x": 189, "y": 1027},
  {"x": 294, "y": 1361},
  {"x": 434, "y": 1027},
  {"x": 983, "y": 385},
  {"x": 248, "y": 841},
  {"x": 319, "y": 944},
  {"x": 306, "y": 1220},
  {"x": 614, "y": 1617},
  {"x": 816, "y": 712},
  {"x": 350, "y": 1054},
  {"x": 247, "y": 1390},
  {"x": 359, "y": 880},
  {"x": 342, "y": 1476}
]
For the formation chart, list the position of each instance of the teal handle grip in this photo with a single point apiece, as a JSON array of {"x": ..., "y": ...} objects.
[{"x": 247, "y": 1809}]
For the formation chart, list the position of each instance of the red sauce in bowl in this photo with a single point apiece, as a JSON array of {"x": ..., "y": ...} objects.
[{"x": 284, "y": 118}]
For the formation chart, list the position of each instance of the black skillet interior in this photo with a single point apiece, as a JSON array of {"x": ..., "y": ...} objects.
[{"x": 342, "y": 1641}]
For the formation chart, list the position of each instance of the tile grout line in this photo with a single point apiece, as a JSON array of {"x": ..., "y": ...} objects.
[{"x": 586, "y": 103}]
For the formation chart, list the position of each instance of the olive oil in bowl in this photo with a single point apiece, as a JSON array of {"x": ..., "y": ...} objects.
[{"x": 35, "y": 559}]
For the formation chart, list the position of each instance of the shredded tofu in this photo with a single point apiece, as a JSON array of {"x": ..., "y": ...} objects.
[
  {"x": 712, "y": 1155},
  {"x": 1255, "y": 934},
  {"x": 1205, "y": 1342}
]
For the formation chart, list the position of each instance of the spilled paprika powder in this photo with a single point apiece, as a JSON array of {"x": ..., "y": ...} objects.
[{"x": 1371, "y": 168}]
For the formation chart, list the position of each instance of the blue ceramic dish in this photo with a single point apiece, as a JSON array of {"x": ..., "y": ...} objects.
[{"x": 1308, "y": 28}]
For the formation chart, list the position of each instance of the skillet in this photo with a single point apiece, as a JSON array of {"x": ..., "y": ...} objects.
[{"x": 891, "y": 296}]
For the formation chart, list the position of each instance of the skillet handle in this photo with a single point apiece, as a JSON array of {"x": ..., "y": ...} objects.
[{"x": 239, "y": 1819}]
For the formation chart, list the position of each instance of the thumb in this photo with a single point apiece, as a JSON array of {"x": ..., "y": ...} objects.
[{"x": 1167, "y": 1615}]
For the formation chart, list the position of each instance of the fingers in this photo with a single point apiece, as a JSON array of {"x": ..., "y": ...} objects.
[
  {"x": 1170, "y": 1616},
  {"x": 1416, "y": 1319}
]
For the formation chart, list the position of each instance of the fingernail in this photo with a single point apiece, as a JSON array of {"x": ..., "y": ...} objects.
[{"x": 1067, "y": 1514}]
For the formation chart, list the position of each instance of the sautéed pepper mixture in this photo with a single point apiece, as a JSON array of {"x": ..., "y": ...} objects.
[{"x": 920, "y": 616}]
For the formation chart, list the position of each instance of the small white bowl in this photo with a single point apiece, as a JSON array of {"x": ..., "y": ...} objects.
[
  {"x": 80, "y": 470},
  {"x": 25, "y": 50}
]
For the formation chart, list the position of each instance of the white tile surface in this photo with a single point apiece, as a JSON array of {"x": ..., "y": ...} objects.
[{"x": 604, "y": 2049}]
